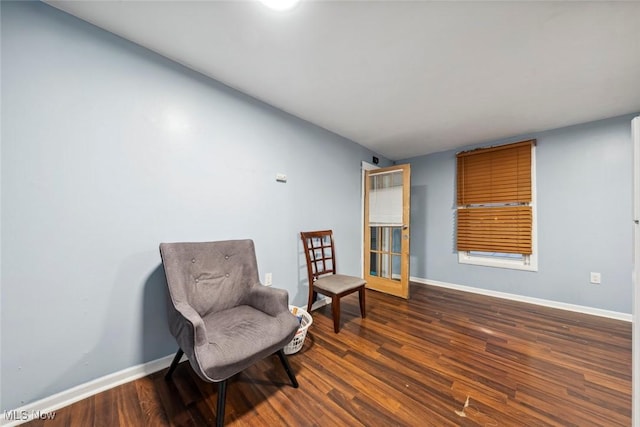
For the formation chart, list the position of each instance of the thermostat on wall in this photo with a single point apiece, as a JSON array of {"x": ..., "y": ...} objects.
[{"x": 280, "y": 177}]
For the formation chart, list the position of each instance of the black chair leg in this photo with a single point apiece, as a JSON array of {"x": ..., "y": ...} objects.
[
  {"x": 174, "y": 364},
  {"x": 287, "y": 368},
  {"x": 222, "y": 393}
]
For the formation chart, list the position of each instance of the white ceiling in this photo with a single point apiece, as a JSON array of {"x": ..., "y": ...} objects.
[{"x": 403, "y": 78}]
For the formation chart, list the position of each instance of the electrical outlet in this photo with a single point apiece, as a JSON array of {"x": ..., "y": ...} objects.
[
  {"x": 596, "y": 278},
  {"x": 268, "y": 279}
]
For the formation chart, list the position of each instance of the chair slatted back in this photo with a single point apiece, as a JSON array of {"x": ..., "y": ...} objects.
[{"x": 319, "y": 252}]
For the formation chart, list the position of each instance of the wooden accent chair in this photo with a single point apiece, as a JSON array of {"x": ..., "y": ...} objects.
[
  {"x": 223, "y": 319},
  {"x": 321, "y": 270}
]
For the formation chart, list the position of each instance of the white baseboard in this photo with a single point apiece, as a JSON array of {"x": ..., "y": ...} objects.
[
  {"x": 538, "y": 301},
  {"x": 320, "y": 303},
  {"x": 48, "y": 405}
]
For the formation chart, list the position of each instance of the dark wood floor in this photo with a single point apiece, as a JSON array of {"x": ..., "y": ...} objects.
[{"x": 409, "y": 363}]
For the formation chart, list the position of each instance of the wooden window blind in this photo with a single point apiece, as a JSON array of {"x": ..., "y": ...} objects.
[{"x": 494, "y": 199}]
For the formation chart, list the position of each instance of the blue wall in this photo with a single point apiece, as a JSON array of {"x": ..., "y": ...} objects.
[
  {"x": 109, "y": 149},
  {"x": 584, "y": 176}
]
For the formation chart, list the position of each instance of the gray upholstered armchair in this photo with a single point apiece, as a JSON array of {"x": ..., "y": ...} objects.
[{"x": 223, "y": 319}]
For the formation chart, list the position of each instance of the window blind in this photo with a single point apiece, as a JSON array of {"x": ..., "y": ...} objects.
[
  {"x": 385, "y": 206},
  {"x": 493, "y": 198},
  {"x": 385, "y": 198}
]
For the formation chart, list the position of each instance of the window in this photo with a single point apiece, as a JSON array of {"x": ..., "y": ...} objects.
[{"x": 496, "y": 206}]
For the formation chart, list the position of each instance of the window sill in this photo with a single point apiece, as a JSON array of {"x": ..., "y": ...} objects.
[{"x": 463, "y": 258}]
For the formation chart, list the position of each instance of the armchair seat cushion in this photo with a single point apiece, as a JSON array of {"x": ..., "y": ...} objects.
[
  {"x": 338, "y": 283},
  {"x": 240, "y": 336}
]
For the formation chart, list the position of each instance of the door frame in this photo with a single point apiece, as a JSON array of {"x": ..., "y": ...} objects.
[{"x": 365, "y": 167}]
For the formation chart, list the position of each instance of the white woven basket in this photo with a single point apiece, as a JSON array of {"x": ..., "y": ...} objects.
[{"x": 298, "y": 340}]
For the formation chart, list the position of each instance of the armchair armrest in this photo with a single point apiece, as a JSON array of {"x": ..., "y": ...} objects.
[
  {"x": 188, "y": 314},
  {"x": 272, "y": 301}
]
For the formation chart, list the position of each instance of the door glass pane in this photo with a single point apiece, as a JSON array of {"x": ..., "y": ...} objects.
[
  {"x": 385, "y": 238},
  {"x": 373, "y": 267},
  {"x": 385, "y": 180},
  {"x": 396, "y": 247},
  {"x": 396, "y": 180},
  {"x": 384, "y": 266},
  {"x": 374, "y": 238},
  {"x": 396, "y": 267}
]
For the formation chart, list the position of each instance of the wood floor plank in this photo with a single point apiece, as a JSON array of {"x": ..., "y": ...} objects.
[
  {"x": 106, "y": 410},
  {"x": 149, "y": 400},
  {"x": 83, "y": 412},
  {"x": 128, "y": 404},
  {"x": 442, "y": 358}
]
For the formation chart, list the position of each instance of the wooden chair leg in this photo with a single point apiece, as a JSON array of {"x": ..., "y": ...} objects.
[
  {"x": 222, "y": 394},
  {"x": 362, "y": 306},
  {"x": 287, "y": 368},
  {"x": 312, "y": 297},
  {"x": 174, "y": 363},
  {"x": 335, "y": 311}
]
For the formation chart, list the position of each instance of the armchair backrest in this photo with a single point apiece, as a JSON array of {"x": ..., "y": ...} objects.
[{"x": 210, "y": 276}]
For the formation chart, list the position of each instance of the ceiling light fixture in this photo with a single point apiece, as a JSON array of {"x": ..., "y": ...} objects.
[{"x": 280, "y": 4}]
